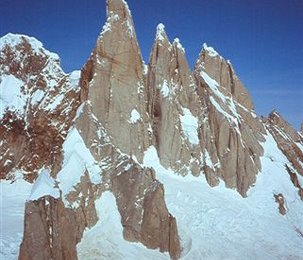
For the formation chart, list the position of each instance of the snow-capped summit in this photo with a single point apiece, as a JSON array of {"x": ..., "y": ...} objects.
[{"x": 210, "y": 50}]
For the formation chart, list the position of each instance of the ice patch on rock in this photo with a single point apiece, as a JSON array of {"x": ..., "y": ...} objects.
[
  {"x": 45, "y": 185},
  {"x": 189, "y": 125},
  {"x": 134, "y": 116}
]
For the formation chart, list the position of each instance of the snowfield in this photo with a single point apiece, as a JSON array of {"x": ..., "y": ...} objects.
[
  {"x": 214, "y": 223},
  {"x": 12, "y": 204},
  {"x": 217, "y": 223}
]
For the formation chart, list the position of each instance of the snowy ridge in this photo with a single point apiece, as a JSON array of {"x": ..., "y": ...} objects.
[
  {"x": 13, "y": 40},
  {"x": 177, "y": 43}
]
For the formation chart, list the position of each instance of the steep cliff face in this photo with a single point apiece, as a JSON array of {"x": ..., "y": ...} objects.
[
  {"x": 290, "y": 143},
  {"x": 173, "y": 106},
  {"x": 231, "y": 130},
  {"x": 38, "y": 103},
  {"x": 289, "y": 140},
  {"x": 114, "y": 77}
]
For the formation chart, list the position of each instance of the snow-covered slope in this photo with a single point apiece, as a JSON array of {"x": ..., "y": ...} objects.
[
  {"x": 217, "y": 223},
  {"x": 12, "y": 202}
]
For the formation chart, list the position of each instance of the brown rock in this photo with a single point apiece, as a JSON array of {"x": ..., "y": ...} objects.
[
  {"x": 49, "y": 231},
  {"x": 32, "y": 137},
  {"x": 288, "y": 140},
  {"x": 113, "y": 82},
  {"x": 171, "y": 89},
  {"x": 144, "y": 215},
  {"x": 231, "y": 131},
  {"x": 280, "y": 200}
]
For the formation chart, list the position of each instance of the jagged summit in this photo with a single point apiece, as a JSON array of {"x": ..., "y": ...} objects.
[
  {"x": 161, "y": 33},
  {"x": 118, "y": 7},
  {"x": 210, "y": 50},
  {"x": 178, "y": 44}
]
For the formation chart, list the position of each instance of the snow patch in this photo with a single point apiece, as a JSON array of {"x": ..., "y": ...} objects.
[
  {"x": 160, "y": 35},
  {"x": 217, "y": 223},
  {"x": 37, "y": 96},
  {"x": 11, "y": 97},
  {"x": 189, "y": 125},
  {"x": 77, "y": 159},
  {"x": 165, "y": 89},
  {"x": 74, "y": 79},
  {"x": 44, "y": 186},
  {"x": 13, "y": 196},
  {"x": 134, "y": 116}
]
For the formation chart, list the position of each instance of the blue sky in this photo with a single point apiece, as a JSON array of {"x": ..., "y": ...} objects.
[{"x": 262, "y": 38}]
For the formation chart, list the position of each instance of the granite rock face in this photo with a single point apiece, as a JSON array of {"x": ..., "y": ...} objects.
[
  {"x": 231, "y": 133},
  {"x": 173, "y": 106},
  {"x": 290, "y": 142},
  {"x": 114, "y": 75}
]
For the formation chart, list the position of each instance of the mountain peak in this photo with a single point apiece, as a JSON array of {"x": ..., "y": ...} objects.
[
  {"x": 210, "y": 50},
  {"x": 118, "y": 7},
  {"x": 161, "y": 33},
  {"x": 178, "y": 44}
]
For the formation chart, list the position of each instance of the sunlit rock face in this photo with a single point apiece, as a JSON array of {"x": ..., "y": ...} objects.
[{"x": 232, "y": 133}]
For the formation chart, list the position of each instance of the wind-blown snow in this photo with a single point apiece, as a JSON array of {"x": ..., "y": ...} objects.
[
  {"x": 134, "y": 116},
  {"x": 12, "y": 203},
  {"x": 105, "y": 240},
  {"x": 217, "y": 223},
  {"x": 45, "y": 185},
  {"x": 189, "y": 125},
  {"x": 11, "y": 97},
  {"x": 77, "y": 159}
]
